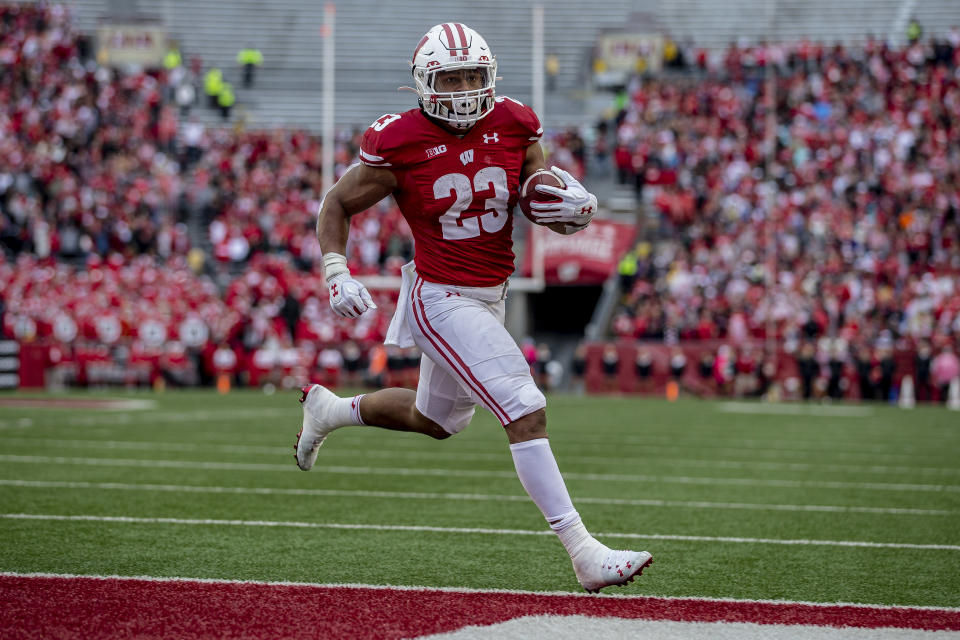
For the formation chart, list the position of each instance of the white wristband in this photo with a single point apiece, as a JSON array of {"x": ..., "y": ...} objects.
[{"x": 334, "y": 264}]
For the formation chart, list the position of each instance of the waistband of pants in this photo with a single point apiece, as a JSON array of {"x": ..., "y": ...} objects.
[{"x": 485, "y": 294}]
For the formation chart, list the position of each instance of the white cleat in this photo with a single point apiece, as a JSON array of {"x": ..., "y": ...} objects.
[
  {"x": 600, "y": 567},
  {"x": 317, "y": 402}
]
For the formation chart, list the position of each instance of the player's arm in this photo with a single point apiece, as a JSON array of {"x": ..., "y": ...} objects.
[
  {"x": 358, "y": 189},
  {"x": 577, "y": 205},
  {"x": 533, "y": 162}
]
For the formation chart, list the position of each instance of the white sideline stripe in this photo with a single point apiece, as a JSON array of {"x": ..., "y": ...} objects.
[
  {"x": 472, "y": 590},
  {"x": 795, "y": 410},
  {"x": 482, "y": 497},
  {"x": 474, "y": 473},
  {"x": 139, "y": 445},
  {"x": 472, "y": 530}
]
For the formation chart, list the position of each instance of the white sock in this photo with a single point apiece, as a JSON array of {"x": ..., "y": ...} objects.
[
  {"x": 346, "y": 411},
  {"x": 540, "y": 476}
]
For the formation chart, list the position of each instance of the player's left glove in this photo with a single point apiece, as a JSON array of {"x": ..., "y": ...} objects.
[{"x": 576, "y": 206}]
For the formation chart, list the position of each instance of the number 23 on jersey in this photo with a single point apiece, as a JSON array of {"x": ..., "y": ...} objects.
[{"x": 463, "y": 189}]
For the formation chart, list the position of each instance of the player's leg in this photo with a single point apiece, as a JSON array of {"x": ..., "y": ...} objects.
[
  {"x": 467, "y": 339},
  {"x": 325, "y": 412},
  {"x": 439, "y": 408},
  {"x": 396, "y": 409},
  {"x": 595, "y": 564}
]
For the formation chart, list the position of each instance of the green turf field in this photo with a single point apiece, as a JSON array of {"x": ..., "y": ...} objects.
[{"x": 732, "y": 499}]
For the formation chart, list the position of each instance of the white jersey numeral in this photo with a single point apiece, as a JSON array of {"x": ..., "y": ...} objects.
[
  {"x": 383, "y": 121},
  {"x": 453, "y": 227},
  {"x": 502, "y": 98},
  {"x": 496, "y": 214},
  {"x": 495, "y": 217}
]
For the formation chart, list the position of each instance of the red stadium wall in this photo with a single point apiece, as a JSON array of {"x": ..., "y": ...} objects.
[
  {"x": 33, "y": 365},
  {"x": 626, "y": 379}
]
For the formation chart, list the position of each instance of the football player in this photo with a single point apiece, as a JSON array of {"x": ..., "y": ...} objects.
[{"x": 454, "y": 166}]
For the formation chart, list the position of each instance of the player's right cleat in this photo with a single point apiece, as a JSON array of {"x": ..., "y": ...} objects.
[
  {"x": 317, "y": 402},
  {"x": 599, "y": 566}
]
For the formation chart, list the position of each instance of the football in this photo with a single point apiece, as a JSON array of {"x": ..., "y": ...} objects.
[{"x": 529, "y": 194}]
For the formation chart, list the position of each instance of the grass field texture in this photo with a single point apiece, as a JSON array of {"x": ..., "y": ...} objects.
[{"x": 857, "y": 504}]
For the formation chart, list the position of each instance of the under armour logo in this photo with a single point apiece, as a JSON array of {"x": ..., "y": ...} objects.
[
  {"x": 490, "y": 138},
  {"x": 453, "y": 293},
  {"x": 466, "y": 157},
  {"x": 333, "y": 291},
  {"x": 586, "y": 210}
]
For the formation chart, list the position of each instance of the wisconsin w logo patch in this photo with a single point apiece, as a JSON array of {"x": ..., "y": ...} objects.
[{"x": 466, "y": 157}]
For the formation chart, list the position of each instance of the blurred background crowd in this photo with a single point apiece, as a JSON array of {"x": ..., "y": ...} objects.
[{"x": 140, "y": 243}]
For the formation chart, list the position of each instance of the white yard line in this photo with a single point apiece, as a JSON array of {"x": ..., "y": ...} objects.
[
  {"x": 469, "y": 530},
  {"x": 205, "y": 415},
  {"x": 833, "y": 411},
  {"x": 480, "y": 497},
  {"x": 16, "y": 423},
  {"x": 730, "y": 446},
  {"x": 476, "y": 473},
  {"x": 114, "y": 445},
  {"x": 681, "y": 441},
  {"x": 715, "y": 438},
  {"x": 470, "y": 590}
]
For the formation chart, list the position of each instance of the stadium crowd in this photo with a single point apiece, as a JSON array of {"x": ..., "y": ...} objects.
[
  {"x": 860, "y": 239},
  {"x": 100, "y": 181},
  {"x": 96, "y": 190}
]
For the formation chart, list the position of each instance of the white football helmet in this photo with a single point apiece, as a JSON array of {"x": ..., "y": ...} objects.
[{"x": 448, "y": 47}]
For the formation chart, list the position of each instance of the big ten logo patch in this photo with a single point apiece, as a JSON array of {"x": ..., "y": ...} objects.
[{"x": 435, "y": 151}]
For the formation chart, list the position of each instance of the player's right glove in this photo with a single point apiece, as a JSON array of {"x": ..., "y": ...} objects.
[{"x": 348, "y": 297}]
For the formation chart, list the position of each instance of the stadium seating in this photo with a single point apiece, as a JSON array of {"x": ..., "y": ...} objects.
[
  {"x": 98, "y": 188},
  {"x": 864, "y": 228},
  {"x": 368, "y": 65}
]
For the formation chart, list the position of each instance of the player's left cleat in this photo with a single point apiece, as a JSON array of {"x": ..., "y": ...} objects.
[
  {"x": 317, "y": 402},
  {"x": 600, "y": 567}
]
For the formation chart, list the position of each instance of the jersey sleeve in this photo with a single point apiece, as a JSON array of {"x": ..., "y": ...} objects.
[
  {"x": 379, "y": 146},
  {"x": 524, "y": 119}
]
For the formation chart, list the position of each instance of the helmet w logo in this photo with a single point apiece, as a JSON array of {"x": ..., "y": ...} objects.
[{"x": 487, "y": 139}]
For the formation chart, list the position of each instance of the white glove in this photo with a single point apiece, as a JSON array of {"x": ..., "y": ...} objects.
[
  {"x": 348, "y": 297},
  {"x": 577, "y": 207}
]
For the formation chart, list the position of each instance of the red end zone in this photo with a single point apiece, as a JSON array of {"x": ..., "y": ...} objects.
[{"x": 75, "y": 607}]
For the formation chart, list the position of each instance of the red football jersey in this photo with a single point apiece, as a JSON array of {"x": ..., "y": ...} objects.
[{"x": 457, "y": 193}]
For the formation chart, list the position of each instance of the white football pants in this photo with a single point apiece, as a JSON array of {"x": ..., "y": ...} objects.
[{"x": 468, "y": 356}]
